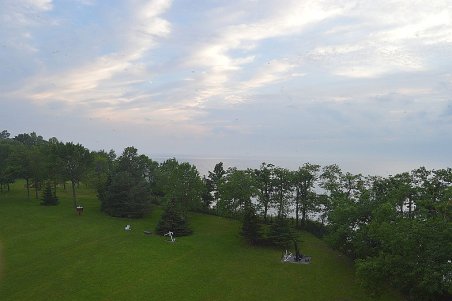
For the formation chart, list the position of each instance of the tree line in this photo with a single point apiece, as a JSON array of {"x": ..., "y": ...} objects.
[{"x": 396, "y": 227}]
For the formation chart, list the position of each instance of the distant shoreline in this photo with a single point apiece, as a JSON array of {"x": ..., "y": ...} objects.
[{"x": 383, "y": 167}]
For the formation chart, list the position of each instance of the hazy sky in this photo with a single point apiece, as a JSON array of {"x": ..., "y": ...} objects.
[{"x": 365, "y": 84}]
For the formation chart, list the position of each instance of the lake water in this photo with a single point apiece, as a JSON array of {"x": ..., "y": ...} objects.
[
  {"x": 204, "y": 165},
  {"x": 355, "y": 165}
]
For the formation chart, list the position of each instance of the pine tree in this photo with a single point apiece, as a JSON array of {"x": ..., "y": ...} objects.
[
  {"x": 173, "y": 219},
  {"x": 281, "y": 234},
  {"x": 250, "y": 227},
  {"x": 127, "y": 191},
  {"x": 49, "y": 198},
  {"x": 125, "y": 196}
]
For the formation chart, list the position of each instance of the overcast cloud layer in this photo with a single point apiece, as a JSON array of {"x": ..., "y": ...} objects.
[{"x": 366, "y": 84}]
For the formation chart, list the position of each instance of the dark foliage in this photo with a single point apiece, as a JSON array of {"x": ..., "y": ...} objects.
[
  {"x": 49, "y": 198},
  {"x": 206, "y": 197},
  {"x": 316, "y": 228},
  {"x": 174, "y": 219},
  {"x": 125, "y": 196},
  {"x": 181, "y": 182},
  {"x": 413, "y": 257},
  {"x": 251, "y": 229},
  {"x": 280, "y": 233}
]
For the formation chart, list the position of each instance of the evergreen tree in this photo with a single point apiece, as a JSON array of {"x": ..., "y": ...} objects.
[
  {"x": 250, "y": 226},
  {"x": 126, "y": 191},
  {"x": 49, "y": 198},
  {"x": 125, "y": 196},
  {"x": 173, "y": 219},
  {"x": 280, "y": 234}
]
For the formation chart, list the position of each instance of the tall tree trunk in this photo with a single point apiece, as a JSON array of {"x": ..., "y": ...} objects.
[
  {"x": 73, "y": 193},
  {"x": 36, "y": 190},
  {"x": 303, "y": 212},
  {"x": 281, "y": 205},
  {"x": 266, "y": 202},
  {"x": 303, "y": 204},
  {"x": 28, "y": 188},
  {"x": 410, "y": 206},
  {"x": 297, "y": 209}
]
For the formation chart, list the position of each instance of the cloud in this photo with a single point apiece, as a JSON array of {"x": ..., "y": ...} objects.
[
  {"x": 106, "y": 78},
  {"x": 385, "y": 37},
  {"x": 42, "y": 5},
  {"x": 20, "y": 13},
  {"x": 274, "y": 70},
  {"x": 224, "y": 69},
  {"x": 87, "y": 2}
]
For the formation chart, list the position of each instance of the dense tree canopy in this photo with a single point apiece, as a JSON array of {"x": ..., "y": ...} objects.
[
  {"x": 235, "y": 191},
  {"x": 181, "y": 182}
]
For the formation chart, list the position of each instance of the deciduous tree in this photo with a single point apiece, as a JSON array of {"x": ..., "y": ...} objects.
[
  {"x": 264, "y": 185},
  {"x": 215, "y": 179},
  {"x": 282, "y": 191},
  {"x": 305, "y": 200},
  {"x": 75, "y": 159},
  {"x": 181, "y": 182},
  {"x": 236, "y": 191}
]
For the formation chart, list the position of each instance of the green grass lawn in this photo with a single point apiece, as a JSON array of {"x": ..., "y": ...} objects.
[{"x": 50, "y": 253}]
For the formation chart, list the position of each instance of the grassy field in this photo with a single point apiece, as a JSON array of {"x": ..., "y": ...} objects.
[{"x": 50, "y": 253}]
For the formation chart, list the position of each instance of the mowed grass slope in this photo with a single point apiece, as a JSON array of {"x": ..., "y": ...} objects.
[{"x": 50, "y": 253}]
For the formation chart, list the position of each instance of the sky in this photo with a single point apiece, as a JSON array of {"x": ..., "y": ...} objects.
[{"x": 364, "y": 84}]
